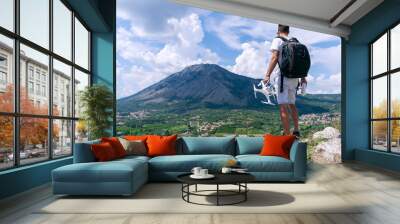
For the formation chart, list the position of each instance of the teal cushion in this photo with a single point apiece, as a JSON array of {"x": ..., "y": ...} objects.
[
  {"x": 249, "y": 145},
  {"x": 185, "y": 163},
  {"x": 207, "y": 145},
  {"x": 111, "y": 171},
  {"x": 257, "y": 163}
]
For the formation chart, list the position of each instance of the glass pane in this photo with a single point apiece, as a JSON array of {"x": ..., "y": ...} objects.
[
  {"x": 379, "y": 98},
  {"x": 395, "y": 136},
  {"x": 62, "y": 29},
  {"x": 35, "y": 21},
  {"x": 6, "y": 142},
  {"x": 62, "y": 138},
  {"x": 33, "y": 139},
  {"x": 34, "y": 97},
  {"x": 379, "y": 135},
  {"x": 379, "y": 55},
  {"x": 395, "y": 94},
  {"x": 62, "y": 89},
  {"x": 81, "y": 45},
  {"x": 395, "y": 47},
  {"x": 81, "y": 131},
  {"x": 7, "y": 14},
  {"x": 81, "y": 81},
  {"x": 6, "y": 74}
]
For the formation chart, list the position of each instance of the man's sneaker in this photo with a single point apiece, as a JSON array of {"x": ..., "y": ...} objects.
[{"x": 297, "y": 134}]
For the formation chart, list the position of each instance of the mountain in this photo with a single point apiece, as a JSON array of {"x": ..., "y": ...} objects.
[{"x": 211, "y": 86}]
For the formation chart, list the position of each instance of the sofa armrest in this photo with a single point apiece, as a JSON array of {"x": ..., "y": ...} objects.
[
  {"x": 298, "y": 155},
  {"x": 83, "y": 152}
]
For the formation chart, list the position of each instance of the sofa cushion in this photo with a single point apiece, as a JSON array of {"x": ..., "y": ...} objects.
[
  {"x": 116, "y": 145},
  {"x": 277, "y": 145},
  {"x": 112, "y": 171},
  {"x": 103, "y": 152},
  {"x": 136, "y": 147},
  {"x": 257, "y": 163},
  {"x": 249, "y": 145},
  {"x": 185, "y": 163},
  {"x": 207, "y": 145},
  {"x": 161, "y": 145}
]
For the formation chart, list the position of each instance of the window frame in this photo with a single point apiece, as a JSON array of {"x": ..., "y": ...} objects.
[
  {"x": 16, "y": 114},
  {"x": 388, "y": 74}
]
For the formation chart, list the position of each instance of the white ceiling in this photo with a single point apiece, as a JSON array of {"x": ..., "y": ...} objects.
[{"x": 316, "y": 15}]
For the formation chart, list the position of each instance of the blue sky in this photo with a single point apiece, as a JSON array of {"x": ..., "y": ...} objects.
[{"x": 156, "y": 38}]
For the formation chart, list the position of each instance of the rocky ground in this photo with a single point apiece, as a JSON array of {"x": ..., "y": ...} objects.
[{"x": 328, "y": 149}]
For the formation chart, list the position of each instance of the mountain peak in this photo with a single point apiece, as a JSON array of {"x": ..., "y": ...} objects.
[{"x": 203, "y": 67}]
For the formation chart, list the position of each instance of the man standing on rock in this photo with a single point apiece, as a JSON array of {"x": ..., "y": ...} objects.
[{"x": 286, "y": 97}]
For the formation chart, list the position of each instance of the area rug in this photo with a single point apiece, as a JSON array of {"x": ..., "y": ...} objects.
[{"x": 166, "y": 198}]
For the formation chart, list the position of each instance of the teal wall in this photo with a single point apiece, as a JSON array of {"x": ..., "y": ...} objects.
[
  {"x": 99, "y": 15},
  {"x": 355, "y": 71}
]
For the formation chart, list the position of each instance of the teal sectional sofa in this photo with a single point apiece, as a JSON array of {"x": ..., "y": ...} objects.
[{"x": 125, "y": 176}]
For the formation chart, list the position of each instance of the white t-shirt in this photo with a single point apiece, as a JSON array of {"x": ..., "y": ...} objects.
[{"x": 276, "y": 73}]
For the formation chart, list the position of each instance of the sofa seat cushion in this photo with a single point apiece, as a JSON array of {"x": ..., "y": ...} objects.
[
  {"x": 257, "y": 163},
  {"x": 185, "y": 163},
  {"x": 112, "y": 171}
]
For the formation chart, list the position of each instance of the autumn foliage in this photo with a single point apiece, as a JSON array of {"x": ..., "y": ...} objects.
[
  {"x": 380, "y": 127},
  {"x": 33, "y": 131}
]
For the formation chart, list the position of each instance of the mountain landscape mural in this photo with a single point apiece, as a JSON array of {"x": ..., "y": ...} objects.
[{"x": 191, "y": 71}]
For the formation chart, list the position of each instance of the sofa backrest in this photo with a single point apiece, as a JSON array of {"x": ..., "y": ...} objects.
[
  {"x": 249, "y": 145},
  {"x": 83, "y": 152},
  {"x": 206, "y": 145}
]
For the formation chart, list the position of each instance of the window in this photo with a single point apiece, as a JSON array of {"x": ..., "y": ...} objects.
[
  {"x": 3, "y": 78},
  {"x": 44, "y": 117},
  {"x": 62, "y": 29},
  {"x": 30, "y": 88},
  {"x": 81, "y": 82},
  {"x": 81, "y": 45},
  {"x": 7, "y": 14},
  {"x": 35, "y": 21},
  {"x": 6, "y": 73},
  {"x": 385, "y": 95},
  {"x": 62, "y": 74},
  {"x": 6, "y": 142}
]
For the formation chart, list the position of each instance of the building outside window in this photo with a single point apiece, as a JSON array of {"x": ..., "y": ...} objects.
[
  {"x": 385, "y": 95},
  {"x": 34, "y": 75}
]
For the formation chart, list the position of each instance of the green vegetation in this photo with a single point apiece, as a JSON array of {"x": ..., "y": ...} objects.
[{"x": 209, "y": 122}]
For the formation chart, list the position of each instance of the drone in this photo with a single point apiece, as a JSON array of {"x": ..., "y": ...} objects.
[{"x": 268, "y": 90}]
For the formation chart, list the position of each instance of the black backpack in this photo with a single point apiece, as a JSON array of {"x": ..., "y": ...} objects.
[{"x": 294, "y": 59}]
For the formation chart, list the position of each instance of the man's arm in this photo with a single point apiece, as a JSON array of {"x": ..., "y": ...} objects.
[{"x": 271, "y": 65}]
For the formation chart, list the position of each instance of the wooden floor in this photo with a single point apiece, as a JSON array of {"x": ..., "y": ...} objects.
[{"x": 377, "y": 188}]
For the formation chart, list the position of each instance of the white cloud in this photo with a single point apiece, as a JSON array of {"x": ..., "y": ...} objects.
[
  {"x": 148, "y": 65},
  {"x": 324, "y": 84},
  {"x": 230, "y": 29},
  {"x": 252, "y": 61},
  {"x": 329, "y": 58}
]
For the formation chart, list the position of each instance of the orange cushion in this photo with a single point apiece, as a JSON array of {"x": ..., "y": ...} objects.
[
  {"x": 103, "y": 152},
  {"x": 116, "y": 145},
  {"x": 161, "y": 145},
  {"x": 277, "y": 145}
]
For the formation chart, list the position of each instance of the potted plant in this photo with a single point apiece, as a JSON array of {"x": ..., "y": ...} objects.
[{"x": 96, "y": 102}]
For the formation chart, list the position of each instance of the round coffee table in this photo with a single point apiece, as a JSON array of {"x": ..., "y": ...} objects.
[{"x": 238, "y": 179}]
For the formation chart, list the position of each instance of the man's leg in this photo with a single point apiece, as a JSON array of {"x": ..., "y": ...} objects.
[
  {"x": 285, "y": 118},
  {"x": 295, "y": 117}
]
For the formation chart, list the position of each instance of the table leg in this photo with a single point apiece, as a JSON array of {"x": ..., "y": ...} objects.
[
  {"x": 245, "y": 193},
  {"x": 217, "y": 194}
]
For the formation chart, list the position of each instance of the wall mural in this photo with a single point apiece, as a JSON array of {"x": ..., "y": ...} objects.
[{"x": 194, "y": 72}]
